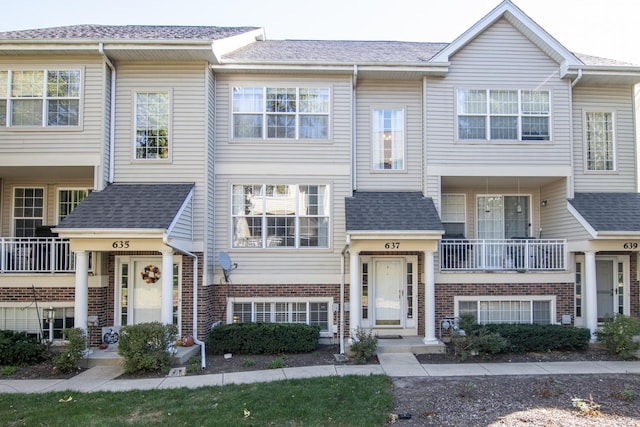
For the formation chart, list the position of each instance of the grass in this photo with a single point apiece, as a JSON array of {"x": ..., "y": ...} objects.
[{"x": 326, "y": 401}]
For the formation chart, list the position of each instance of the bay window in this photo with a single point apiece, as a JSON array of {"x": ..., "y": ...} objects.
[
  {"x": 273, "y": 215},
  {"x": 280, "y": 113},
  {"x": 503, "y": 115}
]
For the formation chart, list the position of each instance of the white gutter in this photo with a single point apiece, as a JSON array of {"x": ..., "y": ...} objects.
[
  {"x": 354, "y": 178},
  {"x": 112, "y": 119},
  {"x": 203, "y": 359},
  {"x": 342, "y": 273},
  {"x": 573, "y": 83}
]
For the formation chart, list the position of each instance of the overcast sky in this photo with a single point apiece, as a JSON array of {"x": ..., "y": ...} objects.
[{"x": 602, "y": 28}]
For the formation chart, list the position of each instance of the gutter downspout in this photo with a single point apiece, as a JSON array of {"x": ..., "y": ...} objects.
[
  {"x": 203, "y": 359},
  {"x": 354, "y": 184},
  {"x": 112, "y": 119},
  {"x": 342, "y": 273},
  {"x": 570, "y": 189}
]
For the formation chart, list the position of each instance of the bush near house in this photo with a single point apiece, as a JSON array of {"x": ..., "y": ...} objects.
[
  {"x": 146, "y": 346},
  {"x": 497, "y": 338},
  {"x": 18, "y": 348},
  {"x": 263, "y": 338},
  {"x": 618, "y": 335},
  {"x": 71, "y": 355}
]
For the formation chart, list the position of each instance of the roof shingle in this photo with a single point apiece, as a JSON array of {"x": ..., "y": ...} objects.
[{"x": 613, "y": 212}]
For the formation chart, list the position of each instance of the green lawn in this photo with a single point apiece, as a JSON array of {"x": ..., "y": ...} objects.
[{"x": 328, "y": 401}]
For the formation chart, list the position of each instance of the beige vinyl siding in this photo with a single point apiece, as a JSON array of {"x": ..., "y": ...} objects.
[
  {"x": 183, "y": 228},
  {"x": 66, "y": 144},
  {"x": 335, "y": 150},
  {"x": 558, "y": 222},
  {"x": 50, "y": 198},
  {"x": 283, "y": 266},
  {"x": 499, "y": 58},
  {"x": 187, "y": 86},
  {"x": 283, "y": 162},
  {"x": 389, "y": 95},
  {"x": 619, "y": 101}
]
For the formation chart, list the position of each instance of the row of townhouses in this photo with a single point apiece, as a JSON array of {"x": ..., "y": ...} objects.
[{"x": 205, "y": 175}]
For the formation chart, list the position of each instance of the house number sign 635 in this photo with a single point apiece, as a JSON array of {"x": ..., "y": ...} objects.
[
  {"x": 120, "y": 244},
  {"x": 392, "y": 245}
]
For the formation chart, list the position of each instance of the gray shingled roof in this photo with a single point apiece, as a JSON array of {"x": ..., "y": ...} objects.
[
  {"x": 126, "y": 32},
  {"x": 391, "y": 211},
  {"x": 617, "y": 212},
  {"x": 332, "y": 51},
  {"x": 129, "y": 206}
]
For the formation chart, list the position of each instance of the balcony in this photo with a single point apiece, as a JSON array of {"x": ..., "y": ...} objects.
[
  {"x": 517, "y": 254},
  {"x": 35, "y": 255}
]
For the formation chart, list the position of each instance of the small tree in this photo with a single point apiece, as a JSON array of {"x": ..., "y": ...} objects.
[{"x": 364, "y": 345}]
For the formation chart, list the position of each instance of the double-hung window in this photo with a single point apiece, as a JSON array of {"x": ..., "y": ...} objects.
[
  {"x": 152, "y": 125},
  {"x": 47, "y": 98},
  {"x": 68, "y": 199},
  {"x": 388, "y": 139},
  {"x": 454, "y": 214},
  {"x": 281, "y": 113},
  {"x": 503, "y": 115},
  {"x": 283, "y": 310},
  {"x": 536, "y": 310},
  {"x": 600, "y": 141},
  {"x": 270, "y": 216},
  {"x": 28, "y": 211}
]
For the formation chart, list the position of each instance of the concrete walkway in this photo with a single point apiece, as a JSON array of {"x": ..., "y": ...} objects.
[{"x": 104, "y": 378}]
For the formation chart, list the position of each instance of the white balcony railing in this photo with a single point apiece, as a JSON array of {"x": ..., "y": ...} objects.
[
  {"x": 526, "y": 254},
  {"x": 35, "y": 255}
]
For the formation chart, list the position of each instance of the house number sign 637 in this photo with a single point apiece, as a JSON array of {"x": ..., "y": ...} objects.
[{"x": 392, "y": 245}]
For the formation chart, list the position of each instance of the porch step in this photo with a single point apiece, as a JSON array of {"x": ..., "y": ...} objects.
[
  {"x": 110, "y": 356},
  {"x": 413, "y": 345}
]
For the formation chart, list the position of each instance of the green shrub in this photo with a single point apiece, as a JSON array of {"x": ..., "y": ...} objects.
[
  {"x": 618, "y": 333},
  {"x": 146, "y": 346},
  {"x": 364, "y": 346},
  {"x": 71, "y": 355},
  {"x": 263, "y": 338},
  {"x": 278, "y": 362},
  {"x": 524, "y": 338},
  {"x": 18, "y": 348},
  {"x": 480, "y": 342}
]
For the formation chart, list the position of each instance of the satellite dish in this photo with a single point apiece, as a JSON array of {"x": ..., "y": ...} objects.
[{"x": 227, "y": 266}]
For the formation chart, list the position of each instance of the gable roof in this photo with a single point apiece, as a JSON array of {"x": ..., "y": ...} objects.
[
  {"x": 608, "y": 213},
  {"x": 391, "y": 211},
  {"x": 129, "y": 207}
]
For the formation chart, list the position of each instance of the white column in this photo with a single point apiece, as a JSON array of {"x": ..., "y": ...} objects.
[
  {"x": 81, "y": 311},
  {"x": 355, "y": 303},
  {"x": 590, "y": 293},
  {"x": 166, "y": 309},
  {"x": 429, "y": 299}
]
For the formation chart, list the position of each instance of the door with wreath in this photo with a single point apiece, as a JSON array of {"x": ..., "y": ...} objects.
[{"x": 146, "y": 298}]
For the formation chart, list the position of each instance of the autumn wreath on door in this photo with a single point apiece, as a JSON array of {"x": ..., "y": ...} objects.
[{"x": 150, "y": 274}]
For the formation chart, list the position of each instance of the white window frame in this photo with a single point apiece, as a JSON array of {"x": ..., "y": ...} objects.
[
  {"x": 587, "y": 147},
  {"x": 297, "y": 113},
  {"x": 445, "y": 213},
  {"x": 73, "y": 190},
  {"x": 487, "y": 114},
  {"x": 13, "y": 207},
  {"x": 244, "y": 239},
  {"x": 388, "y": 144},
  {"x": 276, "y": 302},
  {"x": 8, "y": 98},
  {"x": 168, "y": 118},
  {"x": 551, "y": 299}
]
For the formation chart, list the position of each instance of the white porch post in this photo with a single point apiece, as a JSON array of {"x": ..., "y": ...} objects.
[
  {"x": 591, "y": 293},
  {"x": 355, "y": 303},
  {"x": 429, "y": 299},
  {"x": 81, "y": 311},
  {"x": 166, "y": 309}
]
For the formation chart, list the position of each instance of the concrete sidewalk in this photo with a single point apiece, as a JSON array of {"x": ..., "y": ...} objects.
[{"x": 104, "y": 378}]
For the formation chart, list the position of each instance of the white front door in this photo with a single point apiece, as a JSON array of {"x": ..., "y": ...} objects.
[
  {"x": 388, "y": 292},
  {"x": 139, "y": 294}
]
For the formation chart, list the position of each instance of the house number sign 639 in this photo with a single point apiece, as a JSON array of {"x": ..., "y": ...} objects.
[
  {"x": 392, "y": 245},
  {"x": 630, "y": 245}
]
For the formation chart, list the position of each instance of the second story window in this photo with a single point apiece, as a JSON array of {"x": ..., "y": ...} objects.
[
  {"x": 280, "y": 113},
  {"x": 600, "y": 141},
  {"x": 388, "y": 139},
  {"x": 28, "y": 211},
  {"x": 30, "y": 98},
  {"x": 68, "y": 199},
  {"x": 503, "y": 115},
  {"x": 152, "y": 125}
]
